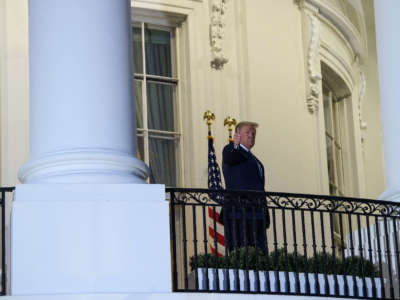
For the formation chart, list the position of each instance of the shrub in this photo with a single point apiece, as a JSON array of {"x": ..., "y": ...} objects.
[{"x": 251, "y": 258}]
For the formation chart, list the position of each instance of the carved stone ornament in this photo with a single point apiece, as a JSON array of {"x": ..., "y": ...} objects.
[
  {"x": 299, "y": 3},
  {"x": 313, "y": 63},
  {"x": 363, "y": 85},
  {"x": 217, "y": 32},
  {"x": 361, "y": 95}
]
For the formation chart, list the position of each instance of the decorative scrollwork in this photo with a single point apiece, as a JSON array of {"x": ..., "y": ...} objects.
[
  {"x": 285, "y": 201},
  {"x": 313, "y": 59}
]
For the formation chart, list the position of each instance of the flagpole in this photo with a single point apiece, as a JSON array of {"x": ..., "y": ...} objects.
[
  {"x": 230, "y": 122},
  {"x": 216, "y": 233}
]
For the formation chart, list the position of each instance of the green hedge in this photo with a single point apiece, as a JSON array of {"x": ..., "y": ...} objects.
[{"x": 279, "y": 261}]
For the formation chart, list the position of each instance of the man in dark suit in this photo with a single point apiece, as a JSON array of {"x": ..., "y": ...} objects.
[{"x": 245, "y": 215}]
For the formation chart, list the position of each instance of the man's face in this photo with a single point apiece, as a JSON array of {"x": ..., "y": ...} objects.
[{"x": 247, "y": 136}]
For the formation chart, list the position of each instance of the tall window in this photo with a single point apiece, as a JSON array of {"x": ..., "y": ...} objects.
[
  {"x": 158, "y": 136},
  {"x": 333, "y": 113},
  {"x": 339, "y": 135},
  {"x": 337, "y": 143}
]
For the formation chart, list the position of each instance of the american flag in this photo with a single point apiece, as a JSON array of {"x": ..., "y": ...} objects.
[{"x": 214, "y": 183}]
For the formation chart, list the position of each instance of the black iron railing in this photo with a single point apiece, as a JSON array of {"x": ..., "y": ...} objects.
[
  {"x": 314, "y": 245},
  {"x": 6, "y": 192}
]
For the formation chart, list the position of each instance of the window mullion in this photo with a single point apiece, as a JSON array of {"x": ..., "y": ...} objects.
[
  {"x": 178, "y": 92},
  {"x": 162, "y": 79},
  {"x": 164, "y": 132},
  {"x": 144, "y": 95},
  {"x": 339, "y": 146},
  {"x": 334, "y": 165},
  {"x": 339, "y": 134},
  {"x": 332, "y": 115},
  {"x": 345, "y": 147}
]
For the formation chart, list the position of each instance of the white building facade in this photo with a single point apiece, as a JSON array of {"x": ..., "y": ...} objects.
[
  {"x": 279, "y": 67},
  {"x": 305, "y": 70}
]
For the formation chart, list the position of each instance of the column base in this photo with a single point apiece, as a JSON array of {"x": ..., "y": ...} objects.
[
  {"x": 391, "y": 195},
  {"x": 90, "y": 238},
  {"x": 84, "y": 166}
]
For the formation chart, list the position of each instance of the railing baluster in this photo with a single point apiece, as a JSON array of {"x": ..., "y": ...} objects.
[
  {"x": 287, "y": 284},
  {"x": 314, "y": 246},
  {"x": 246, "y": 245},
  {"x": 378, "y": 236},
  {"x": 335, "y": 278},
  {"x": 173, "y": 232},
  {"x": 321, "y": 216},
  {"x": 277, "y": 281},
  {"x": 391, "y": 288},
  {"x": 185, "y": 260},
  {"x": 215, "y": 248},
  {"x": 296, "y": 266},
  {"x": 396, "y": 244},
  {"x": 360, "y": 249},
  {"x": 235, "y": 244},
  {"x": 196, "y": 277},
  {"x": 355, "y": 289},
  {"x": 267, "y": 267},
  {"x": 370, "y": 256},
  {"x": 205, "y": 243},
  {"x": 303, "y": 227},
  {"x": 226, "y": 244},
  {"x": 3, "y": 244},
  {"x": 346, "y": 284},
  {"x": 255, "y": 239}
]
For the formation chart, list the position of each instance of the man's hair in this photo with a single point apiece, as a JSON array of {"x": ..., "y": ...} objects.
[{"x": 245, "y": 123}]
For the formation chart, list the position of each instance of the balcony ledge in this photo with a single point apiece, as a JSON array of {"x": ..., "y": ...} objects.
[{"x": 163, "y": 296}]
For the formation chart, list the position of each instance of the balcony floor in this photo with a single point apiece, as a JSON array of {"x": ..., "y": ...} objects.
[{"x": 163, "y": 296}]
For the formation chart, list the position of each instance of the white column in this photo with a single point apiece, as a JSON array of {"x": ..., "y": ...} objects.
[
  {"x": 82, "y": 119},
  {"x": 84, "y": 221},
  {"x": 388, "y": 46}
]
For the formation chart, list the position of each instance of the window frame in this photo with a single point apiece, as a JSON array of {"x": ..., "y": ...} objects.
[{"x": 145, "y": 133}]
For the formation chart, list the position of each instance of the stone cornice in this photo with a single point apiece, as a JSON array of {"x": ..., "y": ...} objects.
[{"x": 343, "y": 24}]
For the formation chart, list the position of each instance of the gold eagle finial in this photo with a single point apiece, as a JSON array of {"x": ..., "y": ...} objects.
[
  {"x": 209, "y": 117},
  {"x": 230, "y": 122}
]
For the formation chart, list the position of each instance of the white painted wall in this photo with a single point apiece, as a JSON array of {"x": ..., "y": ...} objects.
[
  {"x": 371, "y": 113},
  {"x": 277, "y": 96},
  {"x": 14, "y": 89}
]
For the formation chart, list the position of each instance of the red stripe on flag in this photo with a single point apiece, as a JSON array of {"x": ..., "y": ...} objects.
[
  {"x": 213, "y": 251},
  {"x": 220, "y": 237},
  {"x": 211, "y": 215}
]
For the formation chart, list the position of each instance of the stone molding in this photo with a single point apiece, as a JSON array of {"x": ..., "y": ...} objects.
[
  {"x": 341, "y": 22},
  {"x": 84, "y": 166}
]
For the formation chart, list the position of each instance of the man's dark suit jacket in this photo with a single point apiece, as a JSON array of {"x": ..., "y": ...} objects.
[{"x": 242, "y": 172}]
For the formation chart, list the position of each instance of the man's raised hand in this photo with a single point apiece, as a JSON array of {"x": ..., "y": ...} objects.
[{"x": 236, "y": 139}]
